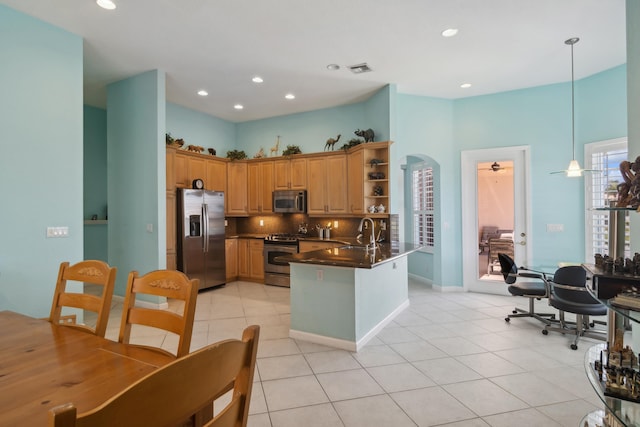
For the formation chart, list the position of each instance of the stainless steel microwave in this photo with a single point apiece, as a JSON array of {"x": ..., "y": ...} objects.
[{"x": 290, "y": 201}]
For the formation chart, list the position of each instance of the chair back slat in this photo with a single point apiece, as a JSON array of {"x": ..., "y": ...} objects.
[
  {"x": 92, "y": 272},
  {"x": 170, "y": 284},
  {"x": 173, "y": 393}
]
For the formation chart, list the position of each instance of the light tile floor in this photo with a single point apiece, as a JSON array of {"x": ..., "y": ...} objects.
[{"x": 450, "y": 359}]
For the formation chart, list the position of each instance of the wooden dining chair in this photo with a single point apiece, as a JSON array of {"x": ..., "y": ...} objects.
[
  {"x": 86, "y": 272},
  {"x": 167, "y": 283},
  {"x": 173, "y": 393}
]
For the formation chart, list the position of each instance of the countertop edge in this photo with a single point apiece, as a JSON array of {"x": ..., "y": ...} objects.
[{"x": 352, "y": 257}]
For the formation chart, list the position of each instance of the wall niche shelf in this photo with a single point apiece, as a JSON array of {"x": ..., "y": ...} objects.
[{"x": 95, "y": 222}]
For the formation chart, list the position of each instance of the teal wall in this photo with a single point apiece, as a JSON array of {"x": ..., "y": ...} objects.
[
  {"x": 425, "y": 132},
  {"x": 136, "y": 180},
  {"x": 310, "y": 130},
  {"x": 201, "y": 129},
  {"x": 41, "y": 163},
  {"x": 95, "y": 182},
  {"x": 540, "y": 117}
]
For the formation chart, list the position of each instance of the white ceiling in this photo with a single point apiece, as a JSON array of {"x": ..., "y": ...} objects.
[{"x": 218, "y": 45}]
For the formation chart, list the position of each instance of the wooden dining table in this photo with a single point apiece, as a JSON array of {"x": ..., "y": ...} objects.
[{"x": 43, "y": 365}]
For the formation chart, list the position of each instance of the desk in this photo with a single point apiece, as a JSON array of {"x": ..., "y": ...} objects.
[{"x": 44, "y": 365}]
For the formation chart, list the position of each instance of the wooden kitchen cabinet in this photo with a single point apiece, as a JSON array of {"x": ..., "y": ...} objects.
[
  {"x": 326, "y": 183},
  {"x": 231, "y": 259},
  {"x": 256, "y": 260},
  {"x": 236, "y": 196},
  {"x": 187, "y": 167},
  {"x": 355, "y": 178},
  {"x": 181, "y": 171},
  {"x": 216, "y": 175},
  {"x": 260, "y": 187},
  {"x": 251, "y": 260},
  {"x": 170, "y": 209},
  {"x": 290, "y": 174},
  {"x": 197, "y": 168}
]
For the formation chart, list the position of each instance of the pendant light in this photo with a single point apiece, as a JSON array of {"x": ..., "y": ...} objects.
[{"x": 574, "y": 169}]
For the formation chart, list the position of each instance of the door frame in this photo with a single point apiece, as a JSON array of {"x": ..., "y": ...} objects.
[{"x": 520, "y": 157}]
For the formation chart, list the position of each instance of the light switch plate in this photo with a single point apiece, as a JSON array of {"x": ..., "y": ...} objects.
[
  {"x": 54, "y": 232},
  {"x": 555, "y": 228}
]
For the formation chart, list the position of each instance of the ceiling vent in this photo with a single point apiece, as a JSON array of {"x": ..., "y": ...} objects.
[{"x": 360, "y": 68}]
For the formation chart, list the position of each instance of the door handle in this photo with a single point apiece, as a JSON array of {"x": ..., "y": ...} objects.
[{"x": 522, "y": 242}]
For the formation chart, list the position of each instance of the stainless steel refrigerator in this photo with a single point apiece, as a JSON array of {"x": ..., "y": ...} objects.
[{"x": 201, "y": 236}]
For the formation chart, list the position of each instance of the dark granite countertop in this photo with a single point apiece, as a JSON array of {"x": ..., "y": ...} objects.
[
  {"x": 246, "y": 236},
  {"x": 353, "y": 256}
]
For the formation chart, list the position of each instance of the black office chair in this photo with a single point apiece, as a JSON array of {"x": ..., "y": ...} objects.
[
  {"x": 569, "y": 294},
  {"x": 531, "y": 289}
]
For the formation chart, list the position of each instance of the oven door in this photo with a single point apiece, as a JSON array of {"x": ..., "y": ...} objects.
[{"x": 271, "y": 252}]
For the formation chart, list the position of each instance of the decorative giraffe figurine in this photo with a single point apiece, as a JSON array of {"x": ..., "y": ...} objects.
[{"x": 274, "y": 149}]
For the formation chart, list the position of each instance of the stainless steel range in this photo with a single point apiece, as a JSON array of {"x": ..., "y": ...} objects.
[{"x": 275, "y": 245}]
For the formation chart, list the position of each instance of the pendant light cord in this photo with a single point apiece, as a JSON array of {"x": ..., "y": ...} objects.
[
  {"x": 573, "y": 126},
  {"x": 571, "y": 42}
]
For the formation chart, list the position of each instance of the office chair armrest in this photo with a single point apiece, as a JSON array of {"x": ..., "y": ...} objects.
[
  {"x": 569, "y": 287},
  {"x": 531, "y": 275}
]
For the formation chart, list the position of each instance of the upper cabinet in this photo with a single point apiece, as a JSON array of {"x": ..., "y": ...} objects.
[
  {"x": 216, "y": 176},
  {"x": 260, "y": 186},
  {"x": 290, "y": 174},
  {"x": 326, "y": 183},
  {"x": 236, "y": 196},
  {"x": 187, "y": 166},
  {"x": 352, "y": 182},
  {"x": 355, "y": 167}
]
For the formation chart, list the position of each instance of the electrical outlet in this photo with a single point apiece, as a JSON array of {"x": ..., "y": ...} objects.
[
  {"x": 319, "y": 275},
  {"x": 555, "y": 228},
  {"x": 149, "y": 228}
]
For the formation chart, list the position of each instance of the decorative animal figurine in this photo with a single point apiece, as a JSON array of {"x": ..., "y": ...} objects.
[
  {"x": 331, "y": 142},
  {"x": 366, "y": 134},
  {"x": 212, "y": 151},
  {"x": 179, "y": 142},
  {"x": 629, "y": 189},
  {"x": 195, "y": 148},
  {"x": 274, "y": 149},
  {"x": 259, "y": 154}
]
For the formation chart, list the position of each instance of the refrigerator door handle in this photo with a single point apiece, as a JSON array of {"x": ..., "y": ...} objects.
[{"x": 205, "y": 234}]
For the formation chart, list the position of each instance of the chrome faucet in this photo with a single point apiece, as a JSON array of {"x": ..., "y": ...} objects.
[{"x": 372, "y": 236}]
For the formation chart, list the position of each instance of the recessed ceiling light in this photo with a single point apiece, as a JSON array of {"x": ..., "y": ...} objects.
[
  {"x": 257, "y": 79},
  {"x": 449, "y": 32},
  {"x": 238, "y": 106},
  {"x": 106, "y": 4},
  {"x": 290, "y": 96},
  {"x": 465, "y": 85},
  {"x": 203, "y": 93},
  {"x": 333, "y": 67}
]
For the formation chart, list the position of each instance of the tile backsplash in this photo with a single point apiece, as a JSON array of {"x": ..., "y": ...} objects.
[{"x": 289, "y": 223}]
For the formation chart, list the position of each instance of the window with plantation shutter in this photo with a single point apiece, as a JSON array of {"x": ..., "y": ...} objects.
[
  {"x": 600, "y": 187},
  {"x": 423, "y": 205}
]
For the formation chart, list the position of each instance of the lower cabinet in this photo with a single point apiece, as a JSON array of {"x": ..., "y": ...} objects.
[
  {"x": 231, "y": 258},
  {"x": 251, "y": 260}
]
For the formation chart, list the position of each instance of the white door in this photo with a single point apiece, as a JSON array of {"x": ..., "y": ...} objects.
[{"x": 473, "y": 279}]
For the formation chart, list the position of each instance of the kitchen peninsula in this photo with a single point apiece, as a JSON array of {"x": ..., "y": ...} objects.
[{"x": 342, "y": 297}]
